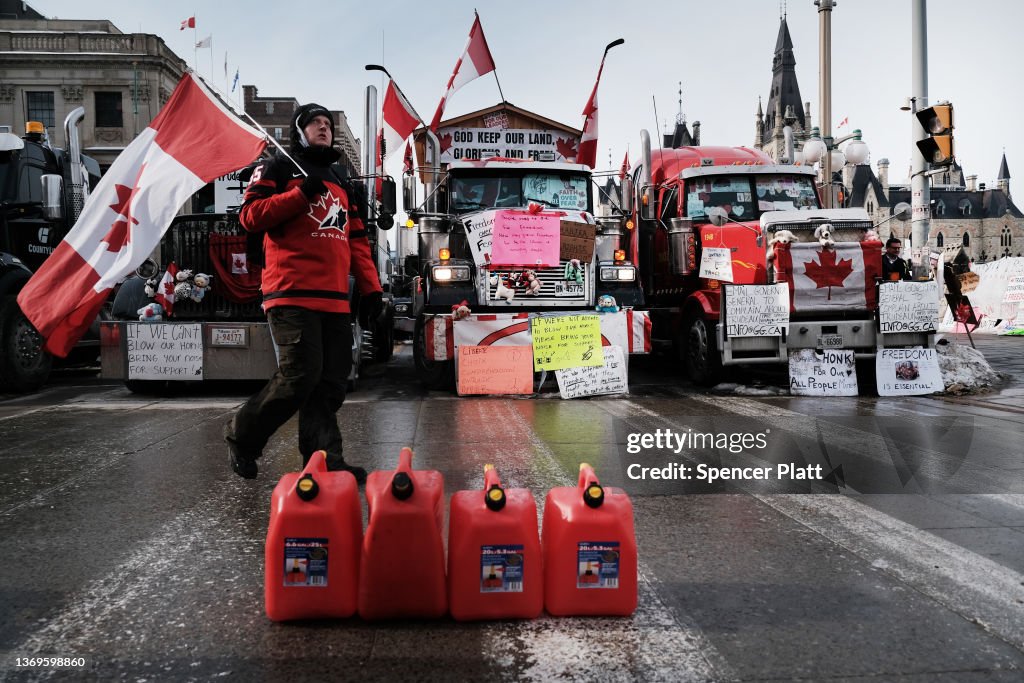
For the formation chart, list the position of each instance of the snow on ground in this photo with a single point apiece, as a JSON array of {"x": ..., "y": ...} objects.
[{"x": 964, "y": 369}]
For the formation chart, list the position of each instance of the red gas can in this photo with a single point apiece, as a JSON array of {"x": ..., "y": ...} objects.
[
  {"x": 403, "y": 553},
  {"x": 313, "y": 544},
  {"x": 590, "y": 561},
  {"x": 494, "y": 561}
]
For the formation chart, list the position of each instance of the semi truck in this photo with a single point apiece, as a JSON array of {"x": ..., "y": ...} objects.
[
  {"x": 768, "y": 220},
  {"x": 462, "y": 293},
  {"x": 42, "y": 191}
]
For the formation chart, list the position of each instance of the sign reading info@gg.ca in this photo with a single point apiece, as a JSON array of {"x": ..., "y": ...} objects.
[{"x": 160, "y": 351}]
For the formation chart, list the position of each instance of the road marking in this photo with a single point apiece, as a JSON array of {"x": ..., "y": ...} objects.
[
  {"x": 976, "y": 588},
  {"x": 655, "y": 644}
]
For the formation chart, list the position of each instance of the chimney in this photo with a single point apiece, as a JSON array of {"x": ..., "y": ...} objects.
[
  {"x": 883, "y": 176},
  {"x": 696, "y": 134},
  {"x": 972, "y": 183}
]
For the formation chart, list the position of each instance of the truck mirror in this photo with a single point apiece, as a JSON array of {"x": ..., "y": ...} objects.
[
  {"x": 409, "y": 192},
  {"x": 648, "y": 208},
  {"x": 717, "y": 216},
  {"x": 53, "y": 191},
  {"x": 627, "y": 195},
  {"x": 387, "y": 196},
  {"x": 902, "y": 211}
]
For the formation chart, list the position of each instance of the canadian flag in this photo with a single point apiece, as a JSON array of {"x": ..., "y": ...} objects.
[
  {"x": 398, "y": 120},
  {"x": 475, "y": 61},
  {"x": 188, "y": 23},
  {"x": 191, "y": 142},
  {"x": 165, "y": 290},
  {"x": 407, "y": 161},
  {"x": 823, "y": 279},
  {"x": 624, "y": 170},
  {"x": 588, "y": 141}
]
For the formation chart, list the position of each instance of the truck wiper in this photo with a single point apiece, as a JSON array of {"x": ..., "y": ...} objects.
[{"x": 545, "y": 202}]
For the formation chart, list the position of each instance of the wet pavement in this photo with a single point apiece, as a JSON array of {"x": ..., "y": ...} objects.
[{"x": 129, "y": 543}]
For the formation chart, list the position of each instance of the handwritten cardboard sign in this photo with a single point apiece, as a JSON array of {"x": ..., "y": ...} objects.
[
  {"x": 566, "y": 341},
  {"x": 525, "y": 239},
  {"x": 907, "y": 372},
  {"x": 716, "y": 263},
  {"x": 756, "y": 310},
  {"x": 908, "y": 306},
  {"x": 595, "y": 381},
  {"x": 495, "y": 370},
  {"x": 480, "y": 235},
  {"x": 822, "y": 373},
  {"x": 577, "y": 241},
  {"x": 165, "y": 351},
  {"x": 1014, "y": 290}
]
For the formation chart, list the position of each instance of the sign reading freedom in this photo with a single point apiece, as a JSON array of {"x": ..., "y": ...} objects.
[{"x": 566, "y": 341}]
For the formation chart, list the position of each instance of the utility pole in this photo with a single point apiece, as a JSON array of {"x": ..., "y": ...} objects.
[
  {"x": 920, "y": 194},
  {"x": 825, "y": 90}
]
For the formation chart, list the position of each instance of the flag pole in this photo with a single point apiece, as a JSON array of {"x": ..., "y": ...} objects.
[
  {"x": 378, "y": 67},
  {"x": 495, "y": 69}
]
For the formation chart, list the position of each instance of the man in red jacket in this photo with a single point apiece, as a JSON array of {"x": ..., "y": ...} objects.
[{"x": 313, "y": 237}]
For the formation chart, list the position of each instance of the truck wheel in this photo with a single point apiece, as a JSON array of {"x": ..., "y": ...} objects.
[
  {"x": 434, "y": 374},
  {"x": 24, "y": 365},
  {"x": 701, "y": 358}
]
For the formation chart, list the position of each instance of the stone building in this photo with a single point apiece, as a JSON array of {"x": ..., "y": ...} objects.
[
  {"x": 784, "y": 106},
  {"x": 275, "y": 114},
  {"x": 50, "y": 67}
]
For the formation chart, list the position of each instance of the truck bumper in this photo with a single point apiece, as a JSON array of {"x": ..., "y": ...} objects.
[
  {"x": 628, "y": 329},
  {"x": 186, "y": 351},
  {"x": 858, "y": 335}
]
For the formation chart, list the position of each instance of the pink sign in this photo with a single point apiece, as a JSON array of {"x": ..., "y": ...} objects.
[{"x": 526, "y": 239}]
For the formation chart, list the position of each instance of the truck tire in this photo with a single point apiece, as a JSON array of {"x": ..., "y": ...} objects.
[
  {"x": 24, "y": 365},
  {"x": 433, "y": 374},
  {"x": 700, "y": 352}
]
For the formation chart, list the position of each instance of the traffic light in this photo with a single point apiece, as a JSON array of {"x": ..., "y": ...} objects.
[{"x": 938, "y": 123}]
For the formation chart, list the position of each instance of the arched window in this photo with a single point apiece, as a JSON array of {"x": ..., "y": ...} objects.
[
  {"x": 871, "y": 207},
  {"x": 940, "y": 208},
  {"x": 1006, "y": 237},
  {"x": 967, "y": 239},
  {"x": 939, "y": 240}
]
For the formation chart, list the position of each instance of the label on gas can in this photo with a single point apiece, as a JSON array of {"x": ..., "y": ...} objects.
[
  {"x": 597, "y": 564},
  {"x": 501, "y": 569},
  {"x": 305, "y": 562}
]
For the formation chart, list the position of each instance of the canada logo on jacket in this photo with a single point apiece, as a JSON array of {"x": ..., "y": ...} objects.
[{"x": 329, "y": 215}]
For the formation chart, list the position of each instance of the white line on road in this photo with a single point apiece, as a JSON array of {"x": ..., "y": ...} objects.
[{"x": 976, "y": 588}]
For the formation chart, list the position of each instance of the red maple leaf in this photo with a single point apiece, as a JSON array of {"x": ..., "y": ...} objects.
[
  {"x": 120, "y": 232},
  {"x": 828, "y": 273},
  {"x": 239, "y": 263},
  {"x": 567, "y": 148},
  {"x": 446, "y": 142},
  {"x": 169, "y": 288}
]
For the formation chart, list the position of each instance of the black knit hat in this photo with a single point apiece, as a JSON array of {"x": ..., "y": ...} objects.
[{"x": 301, "y": 118}]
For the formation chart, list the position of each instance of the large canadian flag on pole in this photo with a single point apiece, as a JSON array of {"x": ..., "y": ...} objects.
[
  {"x": 475, "y": 61},
  {"x": 192, "y": 141},
  {"x": 398, "y": 120}
]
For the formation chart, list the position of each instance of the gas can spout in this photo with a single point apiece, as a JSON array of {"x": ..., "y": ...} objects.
[{"x": 494, "y": 494}]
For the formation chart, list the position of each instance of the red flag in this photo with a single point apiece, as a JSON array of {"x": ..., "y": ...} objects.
[
  {"x": 165, "y": 290},
  {"x": 624, "y": 171},
  {"x": 588, "y": 142},
  {"x": 846, "y": 120},
  {"x": 192, "y": 141},
  {"x": 409, "y": 163},
  {"x": 188, "y": 23},
  {"x": 475, "y": 61},
  {"x": 398, "y": 120}
]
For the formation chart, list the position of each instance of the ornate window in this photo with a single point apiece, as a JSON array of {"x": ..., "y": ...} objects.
[
  {"x": 967, "y": 239},
  {"x": 939, "y": 240}
]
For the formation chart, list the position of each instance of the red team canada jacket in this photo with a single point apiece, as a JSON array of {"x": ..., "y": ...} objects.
[{"x": 309, "y": 246}]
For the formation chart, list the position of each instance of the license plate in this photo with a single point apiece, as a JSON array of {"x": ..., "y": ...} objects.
[
  {"x": 229, "y": 336},
  {"x": 830, "y": 341},
  {"x": 568, "y": 289}
]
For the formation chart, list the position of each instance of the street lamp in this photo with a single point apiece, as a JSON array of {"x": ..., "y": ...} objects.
[{"x": 826, "y": 150}]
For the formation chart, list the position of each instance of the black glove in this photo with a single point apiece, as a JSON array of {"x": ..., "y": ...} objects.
[
  {"x": 312, "y": 187},
  {"x": 357, "y": 198},
  {"x": 370, "y": 308}
]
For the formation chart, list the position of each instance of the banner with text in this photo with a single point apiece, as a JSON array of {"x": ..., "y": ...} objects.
[
  {"x": 526, "y": 239},
  {"x": 512, "y": 143},
  {"x": 756, "y": 310},
  {"x": 822, "y": 373},
  {"x": 716, "y": 263},
  {"x": 908, "y": 372},
  {"x": 908, "y": 306},
  {"x": 595, "y": 381},
  {"x": 566, "y": 341},
  {"x": 494, "y": 370},
  {"x": 165, "y": 351}
]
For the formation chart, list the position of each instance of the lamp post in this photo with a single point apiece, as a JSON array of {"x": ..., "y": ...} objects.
[
  {"x": 825, "y": 85},
  {"x": 825, "y": 149}
]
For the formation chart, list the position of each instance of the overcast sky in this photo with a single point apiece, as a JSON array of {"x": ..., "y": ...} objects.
[{"x": 547, "y": 54}]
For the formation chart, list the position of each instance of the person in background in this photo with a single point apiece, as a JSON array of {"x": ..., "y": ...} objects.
[
  {"x": 313, "y": 237},
  {"x": 894, "y": 267}
]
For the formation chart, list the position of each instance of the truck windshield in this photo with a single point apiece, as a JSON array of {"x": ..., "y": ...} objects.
[
  {"x": 736, "y": 194},
  {"x": 552, "y": 190}
]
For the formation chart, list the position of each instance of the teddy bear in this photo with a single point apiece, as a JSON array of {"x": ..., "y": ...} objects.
[
  {"x": 780, "y": 237},
  {"x": 574, "y": 271},
  {"x": 528, "y": 280},
  {"x": 823, "y": 233},
  {"x": 461, "y": 310},
  {"x": 200, "y": 285},
  {"x": 606, "y": 304},
  {"x": 505, "y": 287},
  {"x": 151, "y": 285},
  {"x": 151, "y": 313}
]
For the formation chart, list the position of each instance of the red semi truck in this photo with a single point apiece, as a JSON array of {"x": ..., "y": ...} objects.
[{"x": 767, "y": 218}]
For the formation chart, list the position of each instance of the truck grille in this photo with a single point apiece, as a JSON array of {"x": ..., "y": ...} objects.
[
  {"x": 551, "y": 280},
  {"x": 187, "y": 243}
]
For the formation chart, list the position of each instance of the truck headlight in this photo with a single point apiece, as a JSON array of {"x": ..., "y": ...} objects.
[
  {"x": 618, "y": 273},
  {"x": 450, "y": 274}
]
